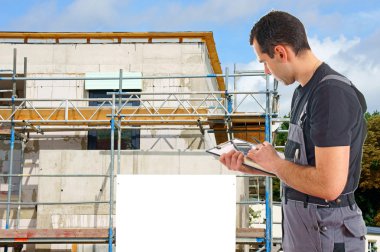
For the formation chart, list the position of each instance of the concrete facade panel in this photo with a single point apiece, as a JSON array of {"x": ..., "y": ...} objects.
[
  {"x": 161, "y": 51},
  {"x": 162, "y": 151}
]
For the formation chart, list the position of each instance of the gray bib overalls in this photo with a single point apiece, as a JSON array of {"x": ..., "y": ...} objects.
[{"x": 312, "y": 224}]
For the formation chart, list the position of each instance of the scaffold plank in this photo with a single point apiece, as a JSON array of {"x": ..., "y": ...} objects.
[
  {"x": 17, "y": 237},
  {"x": 250, "y": 233},
  {"x": 20, "y": 234}
]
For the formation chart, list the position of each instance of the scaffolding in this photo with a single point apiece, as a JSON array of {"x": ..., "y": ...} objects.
[{"x": 215, "y": 112}]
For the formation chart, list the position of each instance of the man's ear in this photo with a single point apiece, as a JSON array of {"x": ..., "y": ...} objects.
[{"x": 281, "y": 52}]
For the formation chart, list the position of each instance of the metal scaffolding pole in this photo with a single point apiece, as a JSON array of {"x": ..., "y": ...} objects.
[
  {"x": 268, "y": 180},
  {"x": 137, "y": 78},
  {"x": 21, "y": 158},
  {"x": 119, "y": 121},
  {"x": 235, "y": 88},
  {"x": 134, "y": 93},
  {"x": 12, "y": 143},
  {"x": 20, "y": 185},
  {"x": 111, "y": 178},
  {"x": 228, "y": 103}
]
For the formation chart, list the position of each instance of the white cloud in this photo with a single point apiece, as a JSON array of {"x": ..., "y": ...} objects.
[
  {"x": 353, "y": 59},
  {"x": 110, "y": 14},
  {"x": 209, "y": 11},
  {"x": 350, "y": 57},
  {"x": 79, "y": 15},
  {"x": 327, "y": 48}
]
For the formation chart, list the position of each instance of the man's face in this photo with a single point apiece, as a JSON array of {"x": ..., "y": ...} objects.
[{"x": 273, "y": 65}]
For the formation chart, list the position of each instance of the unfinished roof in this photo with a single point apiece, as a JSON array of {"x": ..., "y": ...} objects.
[{"x": 120, "y": 37}]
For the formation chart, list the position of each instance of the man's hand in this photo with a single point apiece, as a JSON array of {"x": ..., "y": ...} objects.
[
  {"x": 234, "y": 162},
  {"x": 266, "y": 156}
]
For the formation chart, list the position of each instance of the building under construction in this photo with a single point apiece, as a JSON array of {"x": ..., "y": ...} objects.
[{"x": 77, "y": 109}]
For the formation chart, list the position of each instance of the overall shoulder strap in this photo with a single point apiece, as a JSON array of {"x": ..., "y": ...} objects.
[
  {"x": 360, "y": 96},
  {"x": 338, "y": 78}
]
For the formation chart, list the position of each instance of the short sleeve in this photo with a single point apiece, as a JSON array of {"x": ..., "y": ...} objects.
[{"x": 333, "y": 113}]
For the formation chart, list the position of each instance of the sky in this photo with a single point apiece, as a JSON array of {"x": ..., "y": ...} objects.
[{"x": 343, "y": 33}]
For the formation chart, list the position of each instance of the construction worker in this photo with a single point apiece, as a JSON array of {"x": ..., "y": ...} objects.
[{"x": 323, "y": 152}]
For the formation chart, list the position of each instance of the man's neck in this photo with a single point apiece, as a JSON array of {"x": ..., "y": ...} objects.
[{"x": 306, "y": 65}]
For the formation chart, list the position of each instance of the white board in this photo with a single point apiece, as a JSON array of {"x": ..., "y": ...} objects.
[{"x": 174, "y": 213}]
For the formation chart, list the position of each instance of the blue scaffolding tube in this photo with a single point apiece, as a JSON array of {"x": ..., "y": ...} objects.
[{"x": 268, "y": 180}]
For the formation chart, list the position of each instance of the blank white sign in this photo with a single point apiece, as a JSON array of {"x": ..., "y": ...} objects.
[{"x": 172, "y": 213}]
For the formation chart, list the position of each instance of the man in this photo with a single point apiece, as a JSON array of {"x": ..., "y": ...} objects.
[{"x": 323, "y": 153}]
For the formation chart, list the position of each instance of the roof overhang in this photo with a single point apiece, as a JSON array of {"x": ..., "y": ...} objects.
[{"x": 118, "y": 37}]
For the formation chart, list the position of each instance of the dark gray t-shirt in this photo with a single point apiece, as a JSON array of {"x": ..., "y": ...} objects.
[{"x": 334, "y": 118}]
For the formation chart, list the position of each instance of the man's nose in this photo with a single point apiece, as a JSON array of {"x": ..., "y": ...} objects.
[{"x": 266, "y": 70}]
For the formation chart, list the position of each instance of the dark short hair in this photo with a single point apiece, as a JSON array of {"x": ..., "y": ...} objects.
[{"x": 278, "y": 27}]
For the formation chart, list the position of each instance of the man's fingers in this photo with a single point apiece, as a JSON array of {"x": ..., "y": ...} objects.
[
  {"x": 266, "y": 143},
  {"x": 251, "y": 153},
  {"x": 235, "y": 160},
  {"x": 258, "y": 147},
  {"x": 236, "y": 154},
  {"x": 240, "y": 159},
  {"x": 222, "y": 159}
]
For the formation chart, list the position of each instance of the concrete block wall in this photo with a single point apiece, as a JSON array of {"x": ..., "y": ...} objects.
[
  {"x": 5, "y": 162},
  {"x": 62, "y": 189},
  {"x": 74, "y": 189},
  {"x": 151, "y": 59},
  {"x": 162, "y": 152},
  {"x": 70, "y": 60}
]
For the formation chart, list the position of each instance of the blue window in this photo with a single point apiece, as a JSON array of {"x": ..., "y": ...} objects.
[{"x": 101, "y": 139}]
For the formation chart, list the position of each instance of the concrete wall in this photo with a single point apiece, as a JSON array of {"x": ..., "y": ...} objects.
[
  {"x": 63, "y": 189},
  {"x": 69, "y": 189},
  {"x": 5, "y": 164},
  {"x": 151, "y": 59},
  {"x": 162, "y": 152},
  {"x": 69, "y": 60}
]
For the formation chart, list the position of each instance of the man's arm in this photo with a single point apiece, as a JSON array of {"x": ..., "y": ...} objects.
[
  {"x": 326, "y": 180},
  {"x": 233, "y": 160}
]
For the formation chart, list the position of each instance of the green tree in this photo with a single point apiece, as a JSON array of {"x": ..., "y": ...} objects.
[
  {"x": 281, "y": 137},
  {"x": 368, "y": 194}
]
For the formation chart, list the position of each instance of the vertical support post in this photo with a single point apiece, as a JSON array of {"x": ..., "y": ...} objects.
[
  {"x": 235, "y": 88},
  {"x": 22, "y": 154},
  {"x": 67, "y": 110},
  {"x": 112, "y": 167},
  {"x": 12, "y": 144},
  {"x": 268, "y": 180},
  {"x": 20, "y": 185},
  {"x": 25, "y": 74},
  {"x": 228, "y": 103},
  {"x": 229, "y": 100},
  {"x": 119, "y": 121},
  {"x": 14, "y": 72}
]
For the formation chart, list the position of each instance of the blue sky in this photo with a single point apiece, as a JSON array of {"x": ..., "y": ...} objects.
[{"x": 344, "y": 33}]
